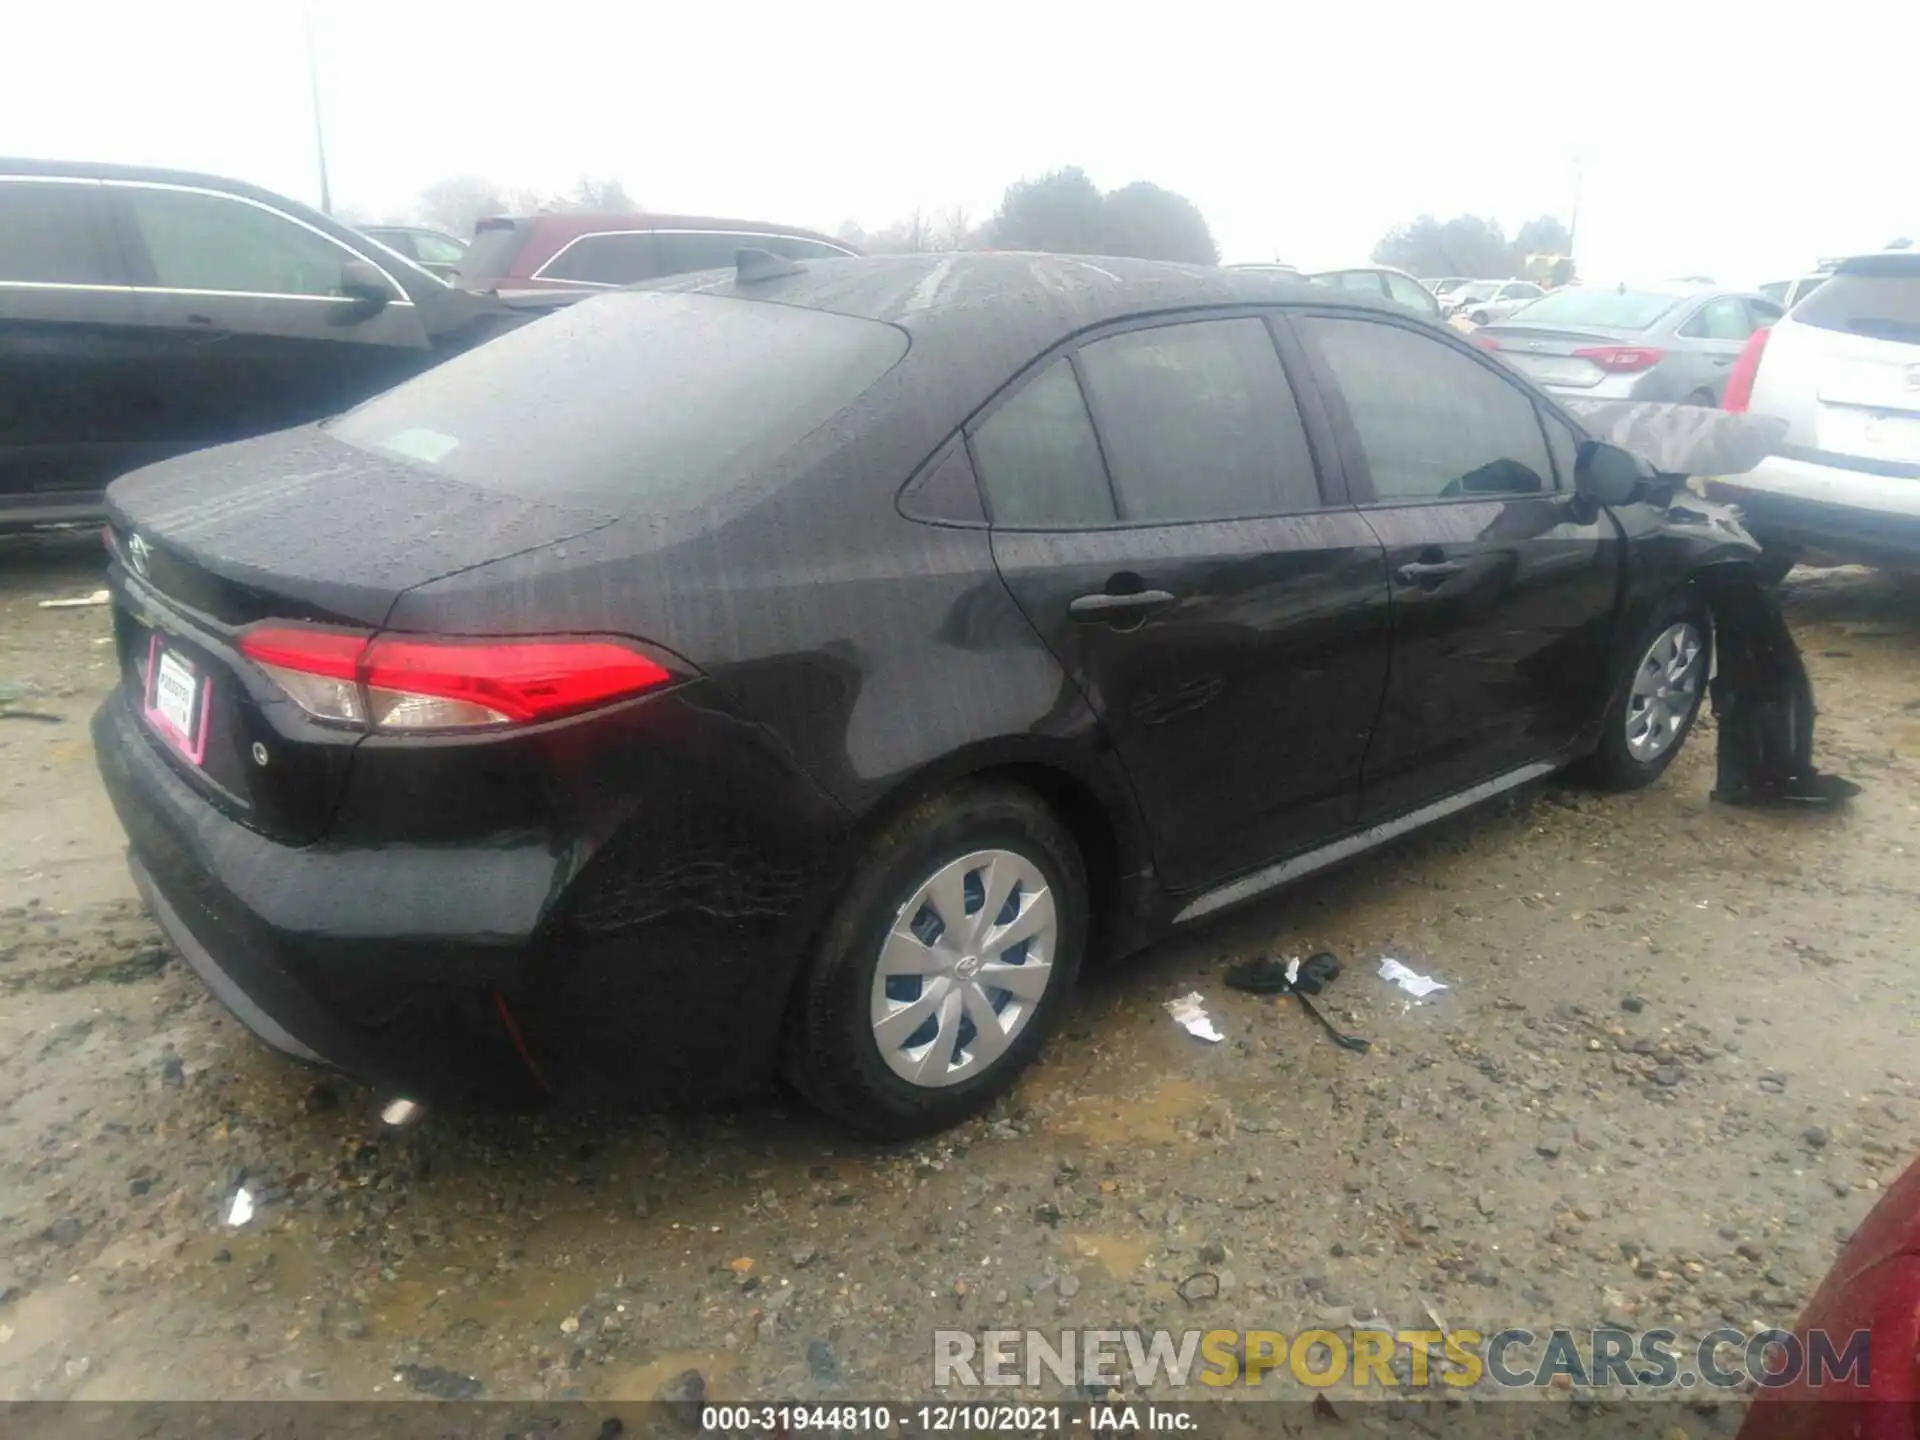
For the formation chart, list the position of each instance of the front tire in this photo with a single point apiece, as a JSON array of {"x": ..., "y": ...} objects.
[
  {"x": 1774, "y": 563},
  {"x": 945, "y": 964},
  {"x": 1658, "y": 697}
]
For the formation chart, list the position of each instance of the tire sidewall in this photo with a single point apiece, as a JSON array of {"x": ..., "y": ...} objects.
[{"x": 836, "y": 1021}]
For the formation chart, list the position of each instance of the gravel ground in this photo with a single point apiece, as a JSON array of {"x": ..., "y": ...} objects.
[{"x": 1674, "y": 1066}]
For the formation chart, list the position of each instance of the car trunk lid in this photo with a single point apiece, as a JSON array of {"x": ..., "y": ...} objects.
[
  {"x": 1549, "y": 355},
  {"x": 292, "y": 527}
]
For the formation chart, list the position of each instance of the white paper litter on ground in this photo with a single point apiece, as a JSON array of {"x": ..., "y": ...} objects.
[
  {"x": 98, "y": 597},
  {"x": 1412, "y": 981},
  {"x": 241, "y": 1210},
  {"x": 1293, "y": 971},
  {"x": 1191, "y": 1011}
]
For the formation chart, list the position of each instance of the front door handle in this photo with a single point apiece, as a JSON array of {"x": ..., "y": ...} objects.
[
  {"x": 1420, "y": 571},
  {"x": 1095, "y": 609}
]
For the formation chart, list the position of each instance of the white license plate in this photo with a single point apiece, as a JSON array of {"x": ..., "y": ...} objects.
[
  {"x": 177, "y": 701},
  {"x": 1554, "y": 369},
  {"x": 1871, "y": 436}
]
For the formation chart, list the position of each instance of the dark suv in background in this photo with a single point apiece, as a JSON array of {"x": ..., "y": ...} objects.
[
  {"x": 148, "y": 312},
  {"x": 574, "y": 252}
]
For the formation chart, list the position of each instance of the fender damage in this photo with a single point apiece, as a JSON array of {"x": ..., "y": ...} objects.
[{"x": 1761, "y": 695}]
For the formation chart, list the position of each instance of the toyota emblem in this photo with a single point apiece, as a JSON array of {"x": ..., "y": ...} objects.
[
  {"x": 137, "y": 552},
  {"x": 1533, "y": 345}
]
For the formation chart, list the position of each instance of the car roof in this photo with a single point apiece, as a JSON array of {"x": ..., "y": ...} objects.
[
  {"x": 571, "y": 224},
  {"x": 976, "y": 318}
]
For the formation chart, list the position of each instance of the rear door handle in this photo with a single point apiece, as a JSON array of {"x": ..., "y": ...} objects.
[
  {"x": 1428, "y": 570},
  {"x": 1093, "y": 609}
]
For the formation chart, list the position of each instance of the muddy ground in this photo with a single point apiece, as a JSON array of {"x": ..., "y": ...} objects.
[{"x": 1675, "y": 1064}]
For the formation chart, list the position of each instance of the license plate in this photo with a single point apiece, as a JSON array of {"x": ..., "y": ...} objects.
[
  {"x": 1554, "y": 369},
  {"x": 177, "y": 697},
  {"x": 1870, "y": 436}
]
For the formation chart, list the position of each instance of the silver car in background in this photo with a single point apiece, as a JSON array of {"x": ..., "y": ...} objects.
[
  {"x": 1663, "y": 342},
  {"x": 1382, "y": 282}
]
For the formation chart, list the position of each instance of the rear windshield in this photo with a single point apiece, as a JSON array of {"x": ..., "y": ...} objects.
[
  {"x": 1875, "y": 295},
  {"x": 1591, "y": 305},
  {"x": 491, "y": 254},
  {"x": 634, "y": 400}
]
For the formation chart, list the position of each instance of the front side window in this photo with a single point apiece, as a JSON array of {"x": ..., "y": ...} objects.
[
  {"x": 1411, "y": 294},
  {"x": 50, "y": 234},
  {"x": 1038, "y": 457},
  {"x": 623, "y": 259},
  {"x": 198, "y": 241},
  {"x": 1434, "y": 424},
  {"x": 1199, "y": 423}
]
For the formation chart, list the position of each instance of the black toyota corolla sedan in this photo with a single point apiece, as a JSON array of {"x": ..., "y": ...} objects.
[{"x": 797, "y": 670}]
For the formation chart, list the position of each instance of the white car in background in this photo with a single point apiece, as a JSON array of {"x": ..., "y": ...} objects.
[
  {"x": 1484, "y": 301},
  {"x": 1842, "y": 368}
]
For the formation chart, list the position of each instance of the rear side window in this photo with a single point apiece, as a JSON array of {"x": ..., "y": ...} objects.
[
  {"x": 1411, "y": 293},
  {"x": 1722, "y": 319},
  {"x": 1434, "y": 424},
  {"x": 496, "y": 247},
  {"x": 51, "y": 234},
  {"x": 1877, "y": 296},
  {"x": 622, "y": 259},
  {"x": 683, "y": 251},
  {"x": 1199, "y": 423},
  {"x": 1039, "y": 459},
  {"x": 796, "y": 248},
  {"x": 197, "y": 241},
  {"x": 637, "y": 401}
]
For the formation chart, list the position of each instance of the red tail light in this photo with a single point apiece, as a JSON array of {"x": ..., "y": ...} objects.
[
  {"x": 1745, "y": 370},
  {"x": 403, "y": 682},
  {"x": 1622, "y": 359},
  {"x": 1486, "y": 342}
]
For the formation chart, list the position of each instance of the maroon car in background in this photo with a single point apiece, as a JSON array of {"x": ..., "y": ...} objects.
[
  {"x": 573, "y": 252},
  {"x": 1874, "y": 1286}
]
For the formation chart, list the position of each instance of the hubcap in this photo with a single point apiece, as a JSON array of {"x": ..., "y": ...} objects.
[
  {"x": 963, "y": 968},
  {"x": 1666, "y": 690}
]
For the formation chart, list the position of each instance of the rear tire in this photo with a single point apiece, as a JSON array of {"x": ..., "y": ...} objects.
[
  {"x": 1479, "y": 317},
  {"x": 890, "y": 1034},
  {"x": 1657, "y": 697},
  {"x": 1702, "y": 398}
]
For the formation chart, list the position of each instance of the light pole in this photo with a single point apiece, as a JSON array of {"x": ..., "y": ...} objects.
[
  {"x": 319, "y": 134},
  {"x": 1573, "y": 225}
]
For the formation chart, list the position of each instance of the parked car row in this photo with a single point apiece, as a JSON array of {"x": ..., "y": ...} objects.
[
  {"x": 1672, "y": 343},
  {"x": 148, "y": 312}
]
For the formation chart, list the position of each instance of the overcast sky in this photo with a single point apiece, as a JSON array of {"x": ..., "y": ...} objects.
[{"x": 1730, "y": 139}]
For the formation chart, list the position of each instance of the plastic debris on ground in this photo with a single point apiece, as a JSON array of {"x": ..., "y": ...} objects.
[
  {"x": 1191, "y": 1011},
  {"x": 1265, "y": 975},
  {"x": 98, "y": 597},
  {"x": 1412, "y": 981},
  {"x": 240, "y": 1208}
]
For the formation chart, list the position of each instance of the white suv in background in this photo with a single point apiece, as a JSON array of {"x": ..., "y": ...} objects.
[{"x": 1843, "y": 370}]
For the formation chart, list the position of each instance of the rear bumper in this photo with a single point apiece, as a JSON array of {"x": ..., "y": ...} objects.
[
  {"x": 1849, "y": 514},
  {"x": 650, "y": 965},
  {"x": 322, "y": 954}
]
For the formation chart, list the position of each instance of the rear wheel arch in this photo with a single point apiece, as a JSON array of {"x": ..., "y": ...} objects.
[{"x": 1096, "y": 810}]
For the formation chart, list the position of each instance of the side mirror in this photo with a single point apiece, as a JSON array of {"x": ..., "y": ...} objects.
[
  {"x": 1608, "y": 475},
  {"x": 362, "y": 282}
]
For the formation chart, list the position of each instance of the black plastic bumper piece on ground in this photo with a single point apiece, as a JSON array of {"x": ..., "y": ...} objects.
[{"x": 1763, "y": 702}]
